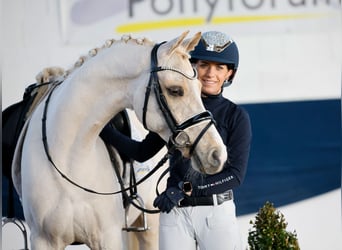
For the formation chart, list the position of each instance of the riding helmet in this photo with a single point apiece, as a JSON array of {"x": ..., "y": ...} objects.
[{"x": 217, "y": 47}]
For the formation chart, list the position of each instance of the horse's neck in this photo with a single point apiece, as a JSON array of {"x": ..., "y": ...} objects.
[{"x": 93, "y": 94}]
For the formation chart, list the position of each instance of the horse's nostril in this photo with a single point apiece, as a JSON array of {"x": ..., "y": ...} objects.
[{"x": 214, "y": 158}]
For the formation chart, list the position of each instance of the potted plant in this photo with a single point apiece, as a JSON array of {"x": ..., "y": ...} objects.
[{"x": 269, "y": 231}]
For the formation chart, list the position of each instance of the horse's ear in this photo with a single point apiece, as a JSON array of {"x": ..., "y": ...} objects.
[
  {"x": 190, "y": 44},
  {"x": 176, "y": 42}
]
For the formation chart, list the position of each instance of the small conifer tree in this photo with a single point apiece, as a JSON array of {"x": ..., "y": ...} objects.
[{"x": 269, "y": 231}]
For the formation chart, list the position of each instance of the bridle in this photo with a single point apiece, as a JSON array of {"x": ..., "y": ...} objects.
[{"x": 179, "y": 138}]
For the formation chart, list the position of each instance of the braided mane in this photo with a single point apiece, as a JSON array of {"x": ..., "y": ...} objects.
[
  {"x": 108, "y": 43},
  {"x": 51, "y": 74}
]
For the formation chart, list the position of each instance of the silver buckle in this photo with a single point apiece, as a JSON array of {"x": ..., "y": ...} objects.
[{"x": 220, "y": 198}]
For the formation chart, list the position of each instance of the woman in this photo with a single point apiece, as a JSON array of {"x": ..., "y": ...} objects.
[{"x": 199, "y": 210}]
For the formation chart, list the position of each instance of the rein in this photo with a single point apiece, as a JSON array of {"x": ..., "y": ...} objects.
[
  {"x": 113, "y": 160},
  {"x": 175, "y": 128}
]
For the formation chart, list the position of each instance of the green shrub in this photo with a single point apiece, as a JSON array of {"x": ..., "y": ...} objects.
[{"x": 269, "y": 231}]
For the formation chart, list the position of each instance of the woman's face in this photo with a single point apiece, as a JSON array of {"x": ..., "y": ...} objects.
[{"x": 212, "y": 75}]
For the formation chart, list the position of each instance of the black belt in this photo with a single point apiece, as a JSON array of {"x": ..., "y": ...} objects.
[{"x": 216, "y": 199}]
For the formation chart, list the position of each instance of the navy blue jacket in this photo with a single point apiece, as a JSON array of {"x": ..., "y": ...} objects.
[{"x": 233, "y": 124}]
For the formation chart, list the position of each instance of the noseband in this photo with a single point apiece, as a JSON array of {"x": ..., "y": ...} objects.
[{"x": 179, "y": 138}]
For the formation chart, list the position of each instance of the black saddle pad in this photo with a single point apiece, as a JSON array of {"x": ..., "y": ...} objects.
[{"x": 13, "y": 120}]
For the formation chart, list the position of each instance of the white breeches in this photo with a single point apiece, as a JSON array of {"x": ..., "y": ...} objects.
[{"x": 205, "y": 227}]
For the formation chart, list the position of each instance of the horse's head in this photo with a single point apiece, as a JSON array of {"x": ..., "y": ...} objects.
[{"x": 189, "y": 127}]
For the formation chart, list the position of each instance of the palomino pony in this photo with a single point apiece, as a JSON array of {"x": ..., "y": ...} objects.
[{"x": 60, "y": 151}]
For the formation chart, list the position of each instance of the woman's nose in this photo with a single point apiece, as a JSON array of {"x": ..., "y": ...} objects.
[{"x": 210, "y": 71}]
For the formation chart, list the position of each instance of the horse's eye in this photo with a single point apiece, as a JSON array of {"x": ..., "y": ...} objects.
[{"x": 175, "y": 91}]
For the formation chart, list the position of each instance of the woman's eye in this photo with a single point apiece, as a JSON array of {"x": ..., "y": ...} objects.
[{"x": 202, "y": 65}]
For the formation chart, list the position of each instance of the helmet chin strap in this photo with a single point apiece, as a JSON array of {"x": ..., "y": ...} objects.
[
  {"x": 229, "y": 81},
  {"x": 226, "y": 83}
]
